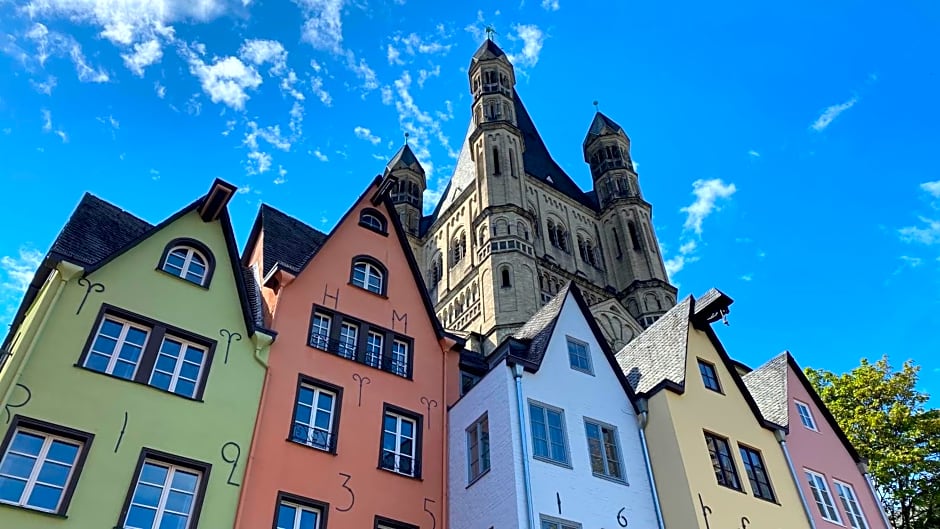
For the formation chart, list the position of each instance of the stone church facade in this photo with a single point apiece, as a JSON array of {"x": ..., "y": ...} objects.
[{"x": 512, "y": 227}]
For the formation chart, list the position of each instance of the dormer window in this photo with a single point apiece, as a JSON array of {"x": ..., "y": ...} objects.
[
  {"x": 189, "y": 260},
  {"x": 373, "y": 220},
  {"x": 368, "y": 274}
]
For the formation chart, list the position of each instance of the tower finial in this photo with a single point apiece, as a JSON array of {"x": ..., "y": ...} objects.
[
  {"x": 597, "y": 107},
  {"x": 490, "y": 32},
  {"x": 406, "y": 138}
]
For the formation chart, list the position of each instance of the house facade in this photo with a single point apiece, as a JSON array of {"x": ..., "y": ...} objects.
[
  {"x": 571, "y": 457},
  {"x": 132, "y": 373},
  {"x": 352, "y": 426},
  {"x": 832, "y": 475},
  {"x": 716, "y": 460}
]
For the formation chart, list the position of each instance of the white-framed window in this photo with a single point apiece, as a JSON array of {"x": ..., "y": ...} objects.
[
  {"x": 549, "y": 439},
  {"x": 37, "y": 468},
  {"x": 372, "y": 220},
  {"x": 117, "y": 347},
  {"x": 291, "y": 515},
  {"x": 550, "y": 522},
  {"x": 806, "y": 416},
  {"x": 478, "y": 448},
  {"x": 179, "y": 367},
  {"x": 850, "y": 503},
  {"x": 368, "y": 276},
  {"x": 604, "y": 449},
  {"x": 320, "y": 331},
  {"x": 579, "y": 356},
  {"x": 314, "y": 414},
  {"x": 827, "y": 509},
  {"x": 374, "y": 343},
  {"x": 165, "y": 495},
  {"x": 348, "y": 338},
  {"x": 399, "y": 443},
  {"x": 187, "y": 263},
  {"x": 400, "y": 358}
]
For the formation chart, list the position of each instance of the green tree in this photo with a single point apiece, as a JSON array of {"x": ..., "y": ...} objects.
[{"x": 886, "y": 419}]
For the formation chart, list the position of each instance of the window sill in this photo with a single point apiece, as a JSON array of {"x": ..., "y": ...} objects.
[
  {"x": 741, "y": 491},
  {"x": 331, "y": 452},
  {"x": 611, "y": 479},
  {"x": 382, "y": 295},
  {"x": 135, "y": 382},
  {"x": 178, "y": 278},
  {"x": 26, "y": 508},
  {"x": 416, "y": 477},
  {"x": 585, "y": 371},
  {"x": 553, "y": 462},
  {"x": 478, "y": 478},
  {"x": 768, "y": 500}
]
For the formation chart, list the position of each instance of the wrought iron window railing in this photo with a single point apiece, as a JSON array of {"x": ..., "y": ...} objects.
[
  {"x": 408, "y": 466},
  {"x": 314, "y": 437},
  {"x": 345, "y": 349}
]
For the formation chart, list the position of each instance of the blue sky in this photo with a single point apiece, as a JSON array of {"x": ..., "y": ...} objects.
[{"x": 788, "y": 149}]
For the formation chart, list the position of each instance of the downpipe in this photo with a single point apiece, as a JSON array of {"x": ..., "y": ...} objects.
[
  {"x": 863, "y": 467},
  {"x": 517, "y": 371},
  {"x": 643, "y": 419},
  {"x": 782, "y": 439}
]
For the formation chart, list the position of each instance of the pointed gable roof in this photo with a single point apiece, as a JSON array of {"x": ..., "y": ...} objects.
[
  {"x": 488, "y": 50},
  {"x": 602, "y": 125},
  {"x": 769, "y": 386},
  {"x": 405, "y": 159},
  {"x": 289, "y": 244}
]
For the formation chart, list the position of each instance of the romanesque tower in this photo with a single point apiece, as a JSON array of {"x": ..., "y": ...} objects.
[{"x": 512, "y": 227}]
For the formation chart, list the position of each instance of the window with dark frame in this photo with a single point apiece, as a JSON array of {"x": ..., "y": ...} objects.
[
  {"x": 722, "y": 461},
  {"x": 756, "y": 473},
  {"x": 604, "y": 449},
  {"x": 135, "y": 348},
  {"x": 316, "y": 414},
  {"x": 579, "y": 356},
  {"x": 382, "y": 522},
  {"x": 166, "y": 491},
  {"x": 401, "y": 442},
  {"x": 549, "y": 439},
  {"x": 373, "y": 220},
  {"x": 295, "y": 512},
  {"x": 368, "y": 276},
  {"x": 709, "y": 375},
  {"x": 40, "y": 464},
  {"x": 188, "y": 263},
  {"x": 379, "y": 348},
  {"x": 478, "y": 448}
]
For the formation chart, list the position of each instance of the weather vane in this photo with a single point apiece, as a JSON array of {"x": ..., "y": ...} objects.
[
  {"x": 490, "y": 32},
  {"x": 406, "y": 138}
]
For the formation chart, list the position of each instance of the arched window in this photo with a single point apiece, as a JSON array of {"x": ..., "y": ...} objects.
[
  {"x": 634, "y": 236},
  {"x": 373, "y": 220},
  {"x": 458, "y": 249},
  {"x": 617, "y": 242},
  {"x": 189, "y": 260},
  {"x": 522, "y": 229},
  {"x": 552, "y": 235},
  {"x": 437, "y": 270},
  {"x": 369, "y": 274},
  {"x": 496, "y": 161},
  {"x": 482, "y": 237},
  {"x": 505, "y": 281}
]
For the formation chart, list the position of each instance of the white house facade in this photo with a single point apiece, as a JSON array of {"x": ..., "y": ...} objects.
[{"x": 584, "y": 458}]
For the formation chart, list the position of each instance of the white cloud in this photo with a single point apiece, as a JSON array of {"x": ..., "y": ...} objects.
[
  {"x": 754, "y": 153},
  {"x": 362, "y": 71},
  {"x": 145, "y": 54},
  {"x": 423, "y": 74},
  {"x": 46, "y": 120},
  {"x": 394, "y": 56},
  {"x": 414, "y": 44},
  {"x": 316, "y": 86},
  {"x": 387, "y": 97},
  {"x": 550, "y": 5},
  {"x": 831, "y": 114},
  {"x": 160, "y": 89},
  {"x": 932, "y": 187},
  {"x": 323, "y": 24},
  {"x": 258, "y": 163},
  {"x": 45, "y": 87},
  {"x": 532, "y": 39},
  {"x": 320, "y": 156},
  {"x": 226, "y": 80},
  {"x": 707, "y": 194},
  {"x": 365, "y": 134},
  {"x": 747, "y": 277},
  {"x": 927, "y": 233},
  {"x": 281, "y": 173},
  {"x": 261, "y": 51},
  {"x": 18, "y": 271},
  {"x": 54, "y": 44}
]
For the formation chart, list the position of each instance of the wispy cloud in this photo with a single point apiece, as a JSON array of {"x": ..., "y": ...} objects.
[
  {"x": 532, "y": 39},
  {"x": 933, "y": 188},
  {"x": 47, "y": 126},
  {"x": 319, "y": 155},
  {"x": 18, "y": 270},
  {"x": 707, "y": 193},
  {"x": 831, "y": 113},
  {"x": 753, "y": 153},
  {"x": 226, "y": 80},
  {"x": 550, "y": 5},
  {"x": 928, "y": 231},
  {"x": 365, "y": 134},
  {"x": 323, "y": 24}
]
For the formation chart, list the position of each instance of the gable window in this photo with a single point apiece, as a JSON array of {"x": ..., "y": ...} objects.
[
  {"x": 806, "y": 416},
  {"x": 167, "y": 492},
  {"x": 478, "y": 448},
  {"x": 40, "y": 464},
  {"x": 379, "y": 348},
  {"x": 316, "y": 414},
  {"x": 548, "y": 522},
  {"x": 151, "y": 353},
  {"x": 189, "y": 260},
  {"x": 603, "y": 449},
  {"x": 756, "y": 473},
  {"x": 579, "y": 356},
  {"x": 368, "y": 275},
  {"x": 709, "y": 375},
  {"x": 817, "y": 484},
  {"x": 373, "y": 220},
  {"x": 401, "y": 442},
  {"x": 548, "y": 433},
  {"x": 850, "y": 504},
  {"x": 722, "y": 461}
]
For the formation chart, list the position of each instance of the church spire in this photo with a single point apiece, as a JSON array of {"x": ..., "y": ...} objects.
[{"x": 408, "y": 193}]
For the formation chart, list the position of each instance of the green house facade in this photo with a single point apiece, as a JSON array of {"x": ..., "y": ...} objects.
[{"x": 131, "y": 376}]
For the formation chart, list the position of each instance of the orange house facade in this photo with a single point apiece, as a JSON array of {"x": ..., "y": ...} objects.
[{"x": 352, "y": 422}]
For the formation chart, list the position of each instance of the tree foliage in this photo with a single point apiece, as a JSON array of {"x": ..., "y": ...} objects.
[{"x": 886, "y": 419}]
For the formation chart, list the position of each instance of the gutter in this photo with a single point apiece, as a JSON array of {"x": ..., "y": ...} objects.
[
  {"x": 863, "y": 467},
  {"x": 781, "y": 437},
  {"x": 643, "y": 419},
  {"x": 517, "y": 370}
]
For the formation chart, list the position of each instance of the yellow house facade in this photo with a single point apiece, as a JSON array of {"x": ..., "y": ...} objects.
[{"x": 716, "y": 461}]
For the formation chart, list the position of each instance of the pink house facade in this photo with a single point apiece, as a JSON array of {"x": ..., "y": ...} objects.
[{"x": 833, "y": 477}]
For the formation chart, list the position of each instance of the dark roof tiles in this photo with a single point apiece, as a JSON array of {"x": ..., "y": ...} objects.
[
  {"x": 405, "y": 158},
  {"x": 488, "y": 50},
  {"x": 538, "y": 330},
  {"x": 659, "y": 353},
  {"x": 288, "y": 242},
  {"x": 96, "y": 230}
]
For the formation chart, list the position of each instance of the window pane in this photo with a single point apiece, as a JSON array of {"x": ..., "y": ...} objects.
[
  {"x": 285, "y": 516},
  {"x": 308, "y": 519},
  {"x": 16, "y": 465},
  {"x": 11, "y": 489},
  {"x": 140, "y": 517},
  {"x": 44, "y": 497}
]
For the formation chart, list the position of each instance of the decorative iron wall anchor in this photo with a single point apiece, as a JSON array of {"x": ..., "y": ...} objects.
[
  {"x": 89, "y": 286},
  {"x": 361, "y": 380},
  {"x": 228, "y": 335}
]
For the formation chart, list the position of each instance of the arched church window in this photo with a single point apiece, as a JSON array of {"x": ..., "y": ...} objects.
[
  {"x": 505, "y": 280},
  {"x": 634, "y": 236}
]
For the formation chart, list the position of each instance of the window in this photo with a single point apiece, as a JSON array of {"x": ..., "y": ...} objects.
[
  {"x": 400, "y": 358},
  {"x": 496, "y": 170},
  {"x": 817, "y": 484},
  {"x": 634, "y": 236},
  {"x": 368, "y": 275},
  {"x": 385, "y": 523},
  {"x": 467, "y": 381},
  {"x": 320, "y": 331},
  {"x": 603, "y": 449},
  {"x": 374, "y": 349},
  {"x": 709, "y": 376},
  {"x": 722, "y": 461},
  {"x": 295, "y": 516},
  {"x": 478, "y": 448},
  {"x": 167, "y": 492},
  {"x": 578, "y": 356},
  {"x": 458, "y": 249},
  {"x": 189, "y": 260},
  {"x": 348, "y": 336},
  {"x": 401, "y": 440},
  {"x": 40, "y": 465},
  {"x": 548, "y": 433},
  {"x": 756, "y": 473},
  {"x": 806, "y": 416},
  {"x": 505, "y": 281},
  {"x": 548, "y": 522},
  {"x": 373, "y": 220},
  {"x": 850, "y": 504},
  {"x": 437, "y": 270},
  {"x": 150, "y": 353},
  {"x": 316, "y": 414}
]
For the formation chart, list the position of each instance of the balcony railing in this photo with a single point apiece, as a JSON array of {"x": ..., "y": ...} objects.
[
  {"x": 404, "y": 465},
  {"x": 350, "y": 351}
]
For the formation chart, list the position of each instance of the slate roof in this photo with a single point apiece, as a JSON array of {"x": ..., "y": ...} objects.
[
  {"x": 405, "y": 157},
  {"x": 288, "y": 242},
  {"x": 602, "y": 125},
  {"x": 488, "y": 50},
  {"x": 253, "y": 289},
  {"x": 768, "y": 386},
  {"x": 658, "y": 354},
  {"x": 537, "y": 332},
  {"x": 96, "y": 230}
]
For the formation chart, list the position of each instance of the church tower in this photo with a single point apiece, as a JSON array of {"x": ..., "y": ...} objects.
[
  {"x": 638, "y": 262},
  {"x": 408, "y": 193}
]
